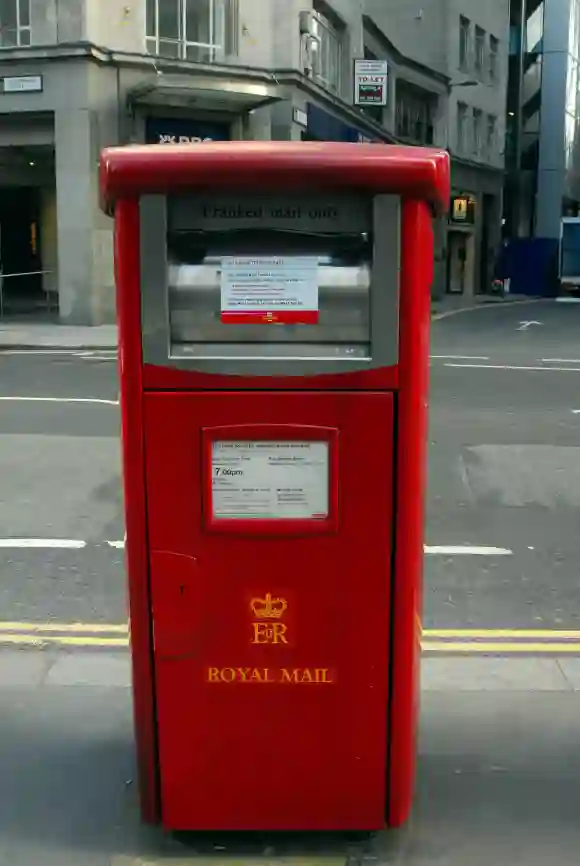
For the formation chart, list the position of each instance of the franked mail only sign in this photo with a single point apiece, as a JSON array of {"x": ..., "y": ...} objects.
[
  {"x": 270, "y": 480},
  {"x": 269, "y": 290}
]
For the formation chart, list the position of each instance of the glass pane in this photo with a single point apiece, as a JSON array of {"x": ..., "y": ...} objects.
[
  {"x": 8, "y": 21},
  {"x": 168, "y": 49},
  {"x": 152, "y": 46},
  {"x": 151, "y": 18},
  {"x": 169, "y": 24},
  {"x": 200, "y": 53},
  {"x": 25, "y": 13},
  {"x": 25, "y": 37},
  {"x": 198, "y": 21}
]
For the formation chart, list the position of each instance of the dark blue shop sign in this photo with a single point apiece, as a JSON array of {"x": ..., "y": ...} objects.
[
  {"x": 159, "y": 130},
  {"x": 323, "y": 126}
]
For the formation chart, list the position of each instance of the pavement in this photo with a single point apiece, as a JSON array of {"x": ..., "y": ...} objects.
[{"x": 499, "y": 757}]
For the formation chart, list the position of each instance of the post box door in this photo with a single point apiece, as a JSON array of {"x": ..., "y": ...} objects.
[{"x": 271, "y": 634}]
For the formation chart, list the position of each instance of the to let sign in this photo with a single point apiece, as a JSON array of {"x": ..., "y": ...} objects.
[{"x": 370, "y": 82}]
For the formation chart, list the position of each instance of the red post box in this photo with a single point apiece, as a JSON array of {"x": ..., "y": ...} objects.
[{"x": 274, "y": 313}]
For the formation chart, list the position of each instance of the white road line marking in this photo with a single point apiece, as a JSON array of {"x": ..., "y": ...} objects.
[
  {"x": 76, "y": 544},
  {"x": 61, "y": 400},
  {"x": 42, "y": 543},
  {"x": 525, "y": 325},
  {"x": 467, "y": 550},
  {"x": 515, "y": 367},
  {"x": 38, "y": 352},
  {"x": 462, "y": 357},
  {"x": 560, "y": 360},
  {"x": 575, "y": 411}
]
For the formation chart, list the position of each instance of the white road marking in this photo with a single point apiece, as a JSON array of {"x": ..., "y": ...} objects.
[
  {"x": 560, "y": 360},
  {"x": 76, "y": 544},
  {"x": 515, "y": 367},
  {"x": 38, "y": 352},
  {"x": 467, "y": 550},
  {"x": 575, "y": 411},
  {"x": 42, "y": 543},
  {"x": 62, "y": 400},
  {"x": 525, "y": 325},
  {"x": 462, "y": 357}
]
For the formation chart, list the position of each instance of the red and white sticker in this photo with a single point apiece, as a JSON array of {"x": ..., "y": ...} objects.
[{"x": 269, "y": 290}]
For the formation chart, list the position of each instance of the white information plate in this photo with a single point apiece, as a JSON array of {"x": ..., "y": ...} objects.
[
  {"x": 270, "y": 480},
  {"x": 269, "y": 289}
]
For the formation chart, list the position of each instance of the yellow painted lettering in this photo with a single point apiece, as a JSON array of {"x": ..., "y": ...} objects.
[
  {"x": 269, "y": 632},
  {"x": 213, "y": 675},
  {"x": 227, "y": 675},
  {"x": 322, "y": 675},
  {"x": 306, "y": 676}
]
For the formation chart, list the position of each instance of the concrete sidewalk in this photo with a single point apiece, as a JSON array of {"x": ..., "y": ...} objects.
[
  {"x": 499, "y": 769},
  {"x": 44, "y": 335}
]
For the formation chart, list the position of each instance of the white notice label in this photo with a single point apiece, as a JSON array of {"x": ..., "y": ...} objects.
[
  {"x": 270, "y": 290},
  {"x": 270, "y": 480}
]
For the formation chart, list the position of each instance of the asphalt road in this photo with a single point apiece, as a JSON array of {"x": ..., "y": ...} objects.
[{"x": 504, "y": 473}]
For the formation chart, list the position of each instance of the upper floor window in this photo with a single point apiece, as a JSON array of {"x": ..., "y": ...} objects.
[
  {"x": 327, "y": 52},
  {"x": 461, "y": 127},
  {"x": 415, "y": 113},
  {"x": 479, "y": 50},
  {"x": 200, "y": 30},
  {"x": 464, "y": 38},
  {"x": 491, "y": 134},
  {"x": 14, "y": 23},
  {"x": 493, "y": 58},
  {"x": 477, "y": 131}
]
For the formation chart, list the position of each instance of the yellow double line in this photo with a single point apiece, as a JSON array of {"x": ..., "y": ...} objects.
[
  {"x": 458, "y": 642},
  {"x": 46, "y": 634},
  {"x": 500, "y": 641}
]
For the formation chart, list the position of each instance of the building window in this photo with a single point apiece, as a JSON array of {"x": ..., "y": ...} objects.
[
  {"x": 493, "y": 58},
  {"x": 477, "y": 131},
  {"x": 200, "y": 30},
  {"x": 14, "y": 23},
  {"x": 479, "y": 50},
  {"x": 415, "y": 113},
  {"x": 326, "y": 46},
  {"x": 464, "y": 36},
  {"x": 491, "y": 134},
  {"x": 461, "y": 127}
]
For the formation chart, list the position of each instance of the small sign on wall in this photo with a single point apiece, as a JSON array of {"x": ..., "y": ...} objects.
[
  {"x": 370, "y": 82},
  {"x": 21, "y": 84}
]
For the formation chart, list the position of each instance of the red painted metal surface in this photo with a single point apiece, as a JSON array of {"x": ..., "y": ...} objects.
[
  {"x": 158, "y": 378},
  {"x": 257, "y": 746},
  {"x": 412, "y": 172},
  {"x": 137, "y": 556},
  {"x": 303, "y": 745},
  {"x": 416, "y": 277}
]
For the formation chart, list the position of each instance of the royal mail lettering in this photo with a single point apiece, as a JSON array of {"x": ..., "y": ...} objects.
[{"x": 283, "y": 676}]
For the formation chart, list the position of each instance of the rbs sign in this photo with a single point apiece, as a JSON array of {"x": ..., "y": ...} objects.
[{"x": 159, "y": 130}]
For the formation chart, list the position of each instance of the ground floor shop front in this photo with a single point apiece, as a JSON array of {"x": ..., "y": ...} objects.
[{"x": 60, "y": 111}]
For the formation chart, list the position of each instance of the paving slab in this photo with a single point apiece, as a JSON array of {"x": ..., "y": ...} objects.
[{"x": 497, "y": 786}]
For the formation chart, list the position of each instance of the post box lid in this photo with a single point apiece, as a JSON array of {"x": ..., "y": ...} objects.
[{"x": 412, "y": 172}]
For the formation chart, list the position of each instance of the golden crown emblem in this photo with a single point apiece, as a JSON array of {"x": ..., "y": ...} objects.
[{"x": 268, "y": 607}]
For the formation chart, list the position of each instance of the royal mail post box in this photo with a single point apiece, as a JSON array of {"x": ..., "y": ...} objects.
[{"x": 273, "y": 307}]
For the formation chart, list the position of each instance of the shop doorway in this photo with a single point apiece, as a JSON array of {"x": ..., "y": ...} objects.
[
  {"x": 459, "y": 263},
  {"x": 21, "y": 282}
]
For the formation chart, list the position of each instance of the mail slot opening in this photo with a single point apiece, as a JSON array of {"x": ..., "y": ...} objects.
[{"x": 295, "y": 279}]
